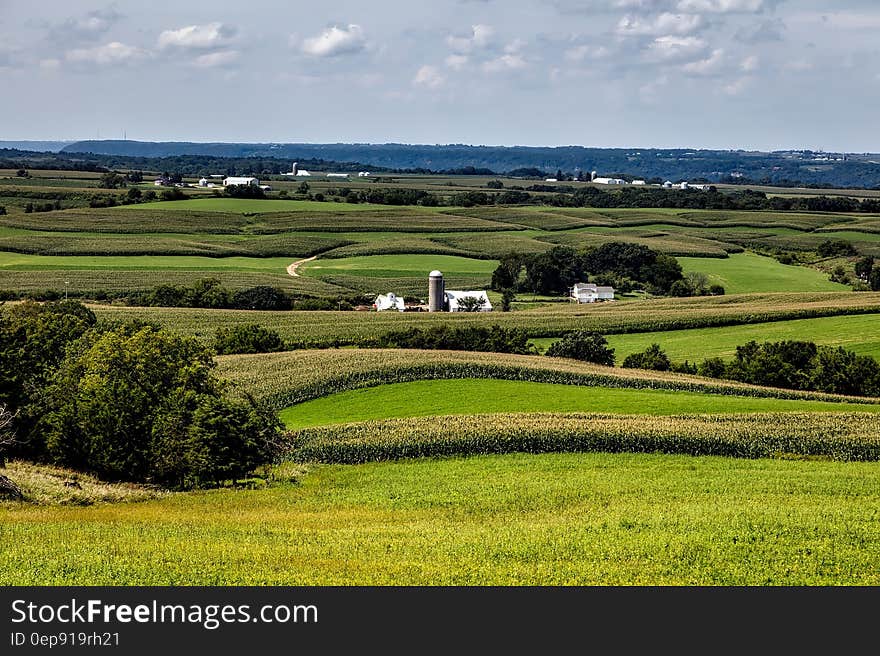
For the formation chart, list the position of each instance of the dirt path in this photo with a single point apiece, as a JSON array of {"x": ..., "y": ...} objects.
[{"x": 293, "y": 267}]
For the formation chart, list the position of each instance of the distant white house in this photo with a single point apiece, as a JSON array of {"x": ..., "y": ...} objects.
[
  {"x": 232, "y": 180},
  {"x": 609, "y": 181},
  {"x": 389, "y": 301},
  {"x": 363, "y": 174},
  {"x": 203, "y": 182},
  {"x": 668, "y": 185},
  {"x": 454, "y": 300},
  {"x": 302, "y": 173},
  {"x": 584, "y": 292},
  {"x": 551, "y": 180}
]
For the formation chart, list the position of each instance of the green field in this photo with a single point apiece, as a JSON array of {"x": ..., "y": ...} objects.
[
  {"x": 21, "y": 262},
  {"x": 746, "y": 273},
  {"x": 455, "y": 397},
  {"x": 249, "y": 206},
  {"x": 855, "y": 333},
  {"x": 401, "y": 266},
  {"x": 559, "y": 519}
]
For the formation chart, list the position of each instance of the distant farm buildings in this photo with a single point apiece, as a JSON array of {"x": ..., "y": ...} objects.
[
  {"x": 389, "y": 301},
  {"x": 441, "y": 300},
  {"x": 609, "y": 181},
  {"x": 587, "y": 293},
  {"x": 243, "y": 181},
  {"x": 337, "y": 175}
]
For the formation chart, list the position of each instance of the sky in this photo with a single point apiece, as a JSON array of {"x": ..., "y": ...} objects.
[{"x": 726, "y": 74}]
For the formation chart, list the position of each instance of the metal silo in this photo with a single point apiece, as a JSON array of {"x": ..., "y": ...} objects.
[{"x": 436, "y": 292}]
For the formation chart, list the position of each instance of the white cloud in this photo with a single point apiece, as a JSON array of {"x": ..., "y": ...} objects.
[
  {"x": 219, "y": 58},
  {"x": 457, "y": 62},
  {"x": 197, "y": 37},
  {"x": 429, "y": 77},
  {"x": 676, "y": 48},
  {"x": 708, "y": 66},
  {"x": 750, "y": 63},
  {"x": 722, "y": 6},
  {"x": 586, "y": 52},
  {"x": 507, "y": 62},
  {"x": 664, "y": 24},
  {"x": 110, "y": 53},
  {"x": 479, "y": 38},
  {"x": 336, "y": 41}
]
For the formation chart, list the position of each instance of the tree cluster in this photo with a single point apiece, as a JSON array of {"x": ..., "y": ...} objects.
[
  {"x": 494, "y": 338},
  {"x": 621, "y": 265},
  {"x": 126, "y": 402}
]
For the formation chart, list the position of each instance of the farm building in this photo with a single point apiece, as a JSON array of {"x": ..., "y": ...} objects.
[
  {"x": 459, "y": 301},
  {"x": 232, "y": 180},
  {"x": 588, "y": 293},
  {"x": 203, "y": 182},
  {"x": 638, "y": 183},
  {"x": 337, "y": 175},
  {"x": 389, "y": 301},
  {"x": 609, "y": 181},
  {"x": 363, "y": 174}
]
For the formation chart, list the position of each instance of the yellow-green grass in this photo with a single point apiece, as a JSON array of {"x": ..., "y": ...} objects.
[
  {"x": 550, "y": 320},
  {"x": 855, "y": 333},
  {"x": 555, "y": 519},
  {"x": 400, "y": 266},
  {"x": 470, "y": 396},
  {"x": 743, "y": 273}
]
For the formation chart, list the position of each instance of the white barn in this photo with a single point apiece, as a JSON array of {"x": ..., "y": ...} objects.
[
  {"x": 389, "y": 301},
  {"x": 609, "y": 181},
  {"x": 232, "y": 180},
  {"x": 584, "y": 292},
  {"x": 454, "y": 299}
]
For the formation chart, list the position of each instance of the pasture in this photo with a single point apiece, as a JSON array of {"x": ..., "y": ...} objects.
[{"x": 553, "y": 519}]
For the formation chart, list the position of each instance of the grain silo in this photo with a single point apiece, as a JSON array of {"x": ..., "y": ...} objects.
[{"x": 436, "y": 292}]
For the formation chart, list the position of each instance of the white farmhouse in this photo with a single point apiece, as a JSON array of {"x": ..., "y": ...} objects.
[
  {"x": 454, "y": 301},
  {"x": 203, "y": 182},
  {"x": 232, "y": 180},
  {"x": 588, "y": 293},
  {"x": 390, "y": 301}
]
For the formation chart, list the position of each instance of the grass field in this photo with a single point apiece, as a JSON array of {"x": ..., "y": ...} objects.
[
  {"x": 24, "y": 262},
  {"x": 455, "y": 397},
  {"x": 558, "y": 519},
  {"x": 400, "y": 266},
  {"x": 746, "y": 273},
  {"x": 855, "y": 333},
  {"x": 249, "y": 206}
]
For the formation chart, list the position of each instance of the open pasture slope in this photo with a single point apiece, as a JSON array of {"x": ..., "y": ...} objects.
[{"x": 554, "y": 519}]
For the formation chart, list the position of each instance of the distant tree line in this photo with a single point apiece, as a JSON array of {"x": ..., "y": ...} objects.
[{"x": 621, "y": 265}]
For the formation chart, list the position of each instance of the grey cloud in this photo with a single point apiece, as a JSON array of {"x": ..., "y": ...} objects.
[
  {"x": 764, "y": 32},
  {"x": 87, "y": 27}
]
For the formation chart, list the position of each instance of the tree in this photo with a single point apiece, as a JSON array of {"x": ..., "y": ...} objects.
[
  {"x": 585, "y": 345},
  {"x": 261, "y": 297},
  {"x": 652, "y": 358},
  {"x": 248, "y": 338},
  {"x": 135, "y": 176},
  {"x": 303, "y": 188},
  {"x": 874, "y": 279},
  {"x": 506, "y": 299},
  {"x": 838, "y": 274},
  {"x": 22, "y": 173},
  {"x": 864, "y": 267},
  {"x": 7, "y": 432},
  {"x": 141, "y": 404},
  {"x": 471, "y": 304},
  {"x": 495, "y": 184},
  {"x": 698, "y": 282},
  {"x": 507, "y": 273},
  {"x": 111, "y": 180}
]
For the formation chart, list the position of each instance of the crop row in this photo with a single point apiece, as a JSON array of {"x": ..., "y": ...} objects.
[
  {"x": 834, "y": 436},
  {"x": 285, "y": 379}
]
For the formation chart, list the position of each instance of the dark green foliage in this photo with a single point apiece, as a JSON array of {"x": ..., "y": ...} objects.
[
  {"x": 586, "y": 345},
  {"x": 494, "y": 339},
  {"x": 247, "y": 338},
  {"x": 262, "y": 297},
  {"x": 652, "y": 358},
  {"x": 33, "y": 342},
  {"x": 322, "y": 304},
  {"x": 143, "y": 405},
  {"x": 507, "y": 298},
  {"x": 173, "y": 193},
  {"x": 112, "y": 180},
  {"x": 800, "y": 366},
  {"x": 2, "y": 210},
  {"x": 244, "y": 191},
  {"x": 554, "y": 271},
  {"x": 495, "y": 184},
  {"x": 864, "y": 267},
  {"x": 716, "y": 290},
  {"x": 874, "y": 279},
  {"x": 836, "y": 248}
]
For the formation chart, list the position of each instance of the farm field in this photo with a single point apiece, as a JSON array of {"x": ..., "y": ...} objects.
[
  {"x": 553, "y": 519},
  {"x": 468, "y": 396},
  {"x": 552, "y": 320},
  {"x": 746, "y": 272},
  {"x": 399, "y": 266},
  {"x": 854, "y": 333}
]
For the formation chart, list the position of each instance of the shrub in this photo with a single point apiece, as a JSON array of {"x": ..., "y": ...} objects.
[
  {"x": 716, "y": 290},
  {"x": 585, "y": 345},
  {"x": 652, "y": 358},
  {"x": 249, "y": 338},
  {"x": 262, "y": 297},
  {"x": 464, "y": 338}
]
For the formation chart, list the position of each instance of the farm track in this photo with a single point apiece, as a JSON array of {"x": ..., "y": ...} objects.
[{"x": 291, "y": 269}]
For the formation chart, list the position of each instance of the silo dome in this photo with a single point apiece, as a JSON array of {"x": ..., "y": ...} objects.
[{"x": 435, "y": 274}]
